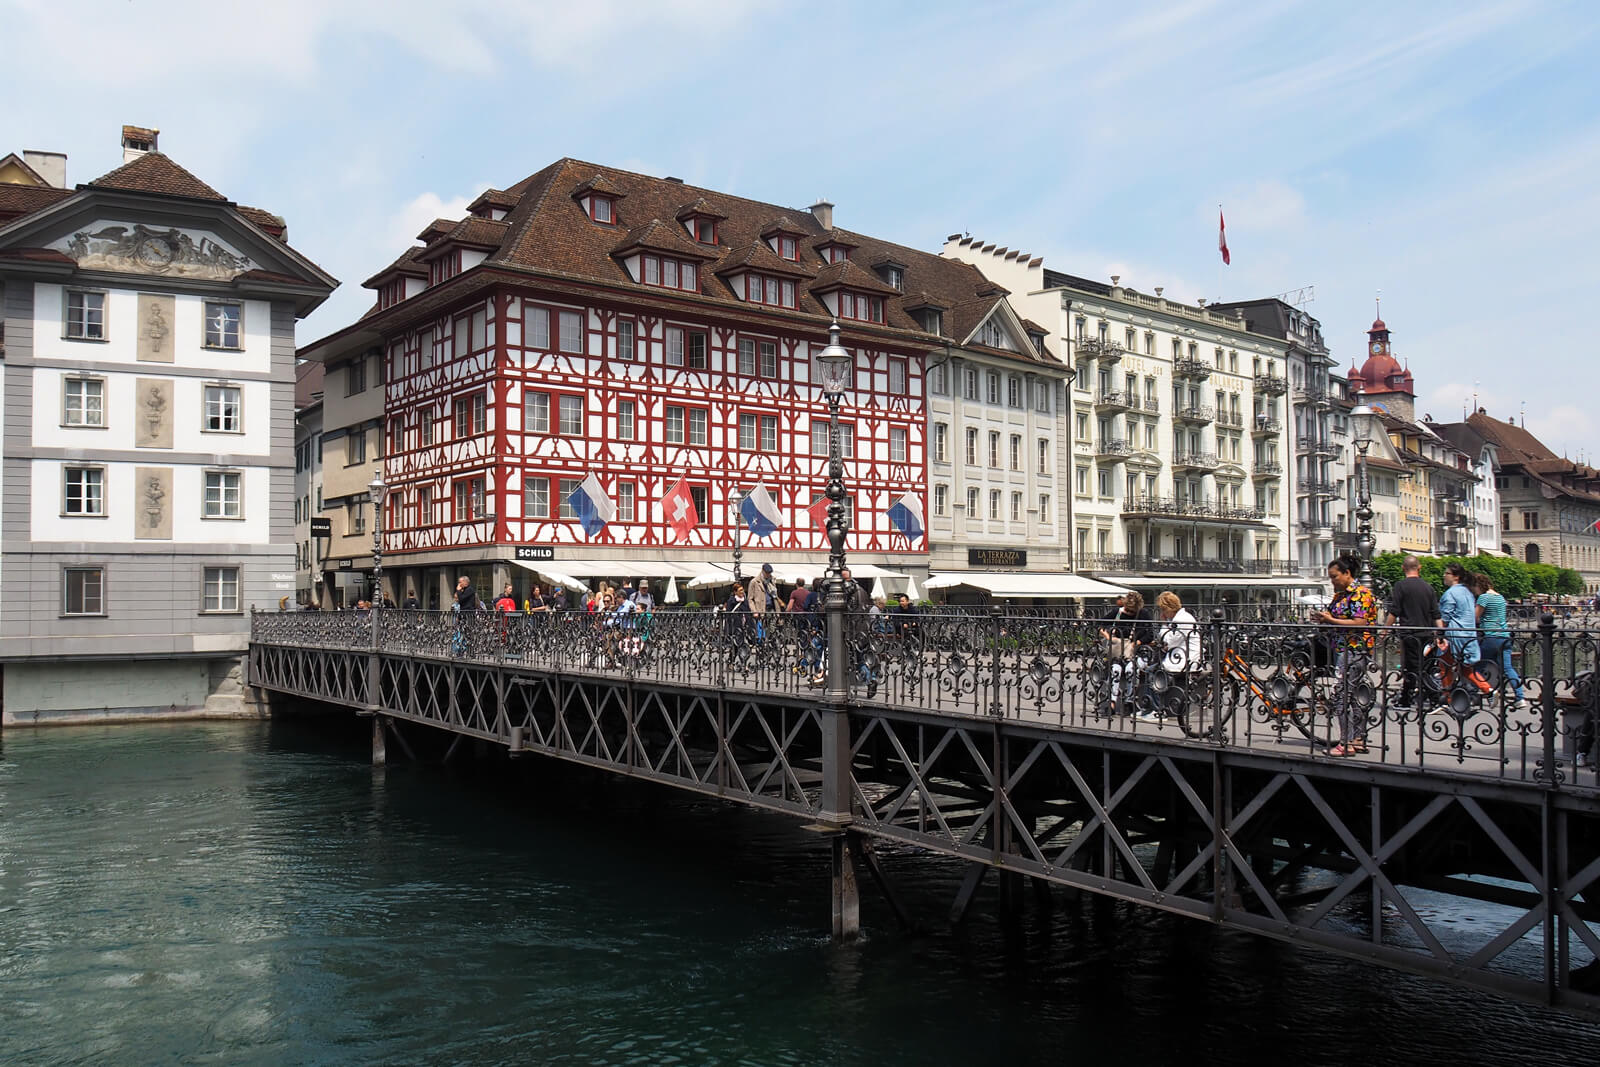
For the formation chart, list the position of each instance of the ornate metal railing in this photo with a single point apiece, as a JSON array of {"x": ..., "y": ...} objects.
[{"x": 1288, "y": 686}]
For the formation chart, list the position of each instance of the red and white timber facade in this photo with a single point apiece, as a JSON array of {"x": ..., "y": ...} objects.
[{"x": 540, "y": 340}]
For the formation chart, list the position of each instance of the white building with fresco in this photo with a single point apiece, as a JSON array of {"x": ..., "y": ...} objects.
[{"x": 148, "y": 505}]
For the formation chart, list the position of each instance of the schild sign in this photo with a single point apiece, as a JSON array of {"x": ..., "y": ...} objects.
[
  {"x": 535, "y": 552},
  {"x": 321, "y": 527}
]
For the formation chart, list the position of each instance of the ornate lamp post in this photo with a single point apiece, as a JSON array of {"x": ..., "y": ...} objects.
[
  {"x": 738, "y": 529},
  {"x": 377, "y": 489},
  {"x": 1361, "y": 419},
  {"x": 838, "y": 372}
]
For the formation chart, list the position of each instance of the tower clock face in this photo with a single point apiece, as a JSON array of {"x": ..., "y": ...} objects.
[{"x": 1377, "y": 346}]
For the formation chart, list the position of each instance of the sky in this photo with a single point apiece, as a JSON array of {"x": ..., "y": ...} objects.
[{"x": 1444, "y": 154}]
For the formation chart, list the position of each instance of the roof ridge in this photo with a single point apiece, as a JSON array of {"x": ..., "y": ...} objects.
[{"x": 155, "y": 160}]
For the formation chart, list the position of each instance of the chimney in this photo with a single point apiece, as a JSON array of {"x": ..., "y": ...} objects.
[
  {"x": 51, "y": 166},
  {"x": 136, "y": 141},
  {"x": 824, "y": 214}
]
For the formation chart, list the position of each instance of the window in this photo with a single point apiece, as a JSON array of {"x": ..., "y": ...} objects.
[
  {"x": 758, "y": 431},
  {"x": 469, "y": 498},
  {"x": 627, "y": 344},
  {"x": 86, "y": 315},
  {"x": 1530, "y": 520},
  {"x": 625, "y": 410},
  {"x": 704, "y": 230},
  {"x": 83, "y": 591},
  {"x": 355, "y": 376},
  {"x": 670, "y": 273},
  {"x": 602, "y": 208},
  {"x": 941, "y": 442},
  {"x": 697, "y": 351},
  {"x": 994, "y": 503},
  {"x": 84, "y": 491},
  {"x": 941, "y": 499},
  {"x": 1041, "y": 397},
  {"x": 1014, "y": 391},
  {"x": 222, "y": 325},
  {"x": 1044, "y": 455},
  {"x": 972, "y": 503},
  {"x": 536, "y": 413},
  {"x": 938, "y": 379},
  {"x": 674, "y": 346},
  {"x": 572, "y": 332},
  {"x": 765, "y": 289},
  {"x": 994, "y": 448},
  {"x": 221, "y": 589},
  {"x": 222, "y": 495},
  {"x": 769, "y": 359},
  {"x": 536, "y": 498},
  {"x": 969, "y": 385},
  {"x": 625, "y": 497},
  {"x": 972, "y": 447},
  {"x": 993, "y": 383},
  {"x": 747, "y": 357},
  {"x": 860, "y": 306},
  {"x": 222, "y": 409},
  {"x": 674, "y": 425},
  {"x": 470, "y": 415},
  {"x": 1081, "y": 426},
  {"x": 535, "y": 327},
  {"x": 897, "y": 444},
  {"x": 897, "y": 377},
  {"x": 1104, "y": 481},
  {"x": 1015, "y": 453},
  {"x": 788, "y": 248},
  {"x": 1044, "y": 509},
  {"x": 697, "y": 426},
  {"x": 571, "y": 409},
  {"x": 1016, "y": 507},
  {"x": 994, "y": 335},
  {"x": 83, "y": 402}
]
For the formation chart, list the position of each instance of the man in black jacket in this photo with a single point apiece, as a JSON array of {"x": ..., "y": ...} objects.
[
  {"x": 466, "y": 596},
  {"x": 1412, "y": 603}
]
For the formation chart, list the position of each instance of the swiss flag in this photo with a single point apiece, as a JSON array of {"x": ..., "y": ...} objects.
[
  {"x": 819, "y": 512},
  {"x": 678, "y": 509},
  {"x": 1222, "y": 236}
]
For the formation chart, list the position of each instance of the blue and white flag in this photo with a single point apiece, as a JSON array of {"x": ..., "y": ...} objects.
[
  {"x": 590, "y": 503},
  {"x": 760, "y": 512},
  {"x": 906, "y": 514}
]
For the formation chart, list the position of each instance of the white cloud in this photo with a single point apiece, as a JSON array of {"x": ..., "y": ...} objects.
[{"x": 419, "y": 211}]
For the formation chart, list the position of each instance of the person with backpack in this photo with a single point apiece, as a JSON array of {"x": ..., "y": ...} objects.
[{"x": 1458, "y": 626}]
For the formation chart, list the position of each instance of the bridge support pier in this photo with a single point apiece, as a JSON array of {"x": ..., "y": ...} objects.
[
  {"x": 380, "y": 756},
  {"x": 846, "y": 893}
]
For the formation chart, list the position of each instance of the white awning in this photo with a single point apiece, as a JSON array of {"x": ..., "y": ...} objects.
[
  {"x": 618, "y": 568},
  {"x": 1211, "y": 581},
  {"x": 786, "y": 571},
  {"x": 1025, "y": 584},
  {"x": 556, "y": 577}
]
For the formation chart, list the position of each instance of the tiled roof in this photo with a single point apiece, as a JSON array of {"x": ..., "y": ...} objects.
[
  {"x": 19, "y": 200},
  {"x": 702, "y": 207},
  {"x": 153, "y": 172},
  {"x": 493, "y": 198},
  {"x": 482, "y": 233},
  {"x": 548, "y": 234},
  {"x": 307, "y": 382},
  {"x": 847, "y": 274},
  {"x": 435, "y": 230},
  {"x": 1515, "y": 443},
  {"x": 273, "y": 224},
  {"x": 663, "y": 237}
]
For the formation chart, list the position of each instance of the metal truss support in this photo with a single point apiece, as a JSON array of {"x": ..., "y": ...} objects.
[{"x": 869, "y": 858}]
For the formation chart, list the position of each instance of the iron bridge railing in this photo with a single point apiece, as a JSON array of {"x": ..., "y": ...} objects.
[{"x": 1287, "y": 686}]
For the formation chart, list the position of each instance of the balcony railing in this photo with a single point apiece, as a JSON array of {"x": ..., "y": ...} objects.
[
  {"x": 1266, "y": 426},
  {"x": 1152, "y": 405},
  {"x": 1114, "y": 446},
  {"x": 1191, "y": 509},
  {"x": 1195, "y": 413},
  {"x": 1272, "y": 384},
  {"x": 1196, "y": 460},
  {"x": 1132, "y": 562},
  {"x": 1101, "y": 348},
  {"x": 1321, "y": 488},
  {"x": 1267, "y": 468},
  {"x": 1453, "y": 518},
  {"x": 1316, "y": 447},
  {"x": 1116, "y": 401},
  {"x": 1197, "y": 370},
  {"x": 1230, "y": 418},
  {"x": 1316, "y": 527}
]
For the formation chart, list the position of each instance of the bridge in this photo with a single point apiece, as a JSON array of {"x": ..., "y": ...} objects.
[{"x": 1019, "y": 743}]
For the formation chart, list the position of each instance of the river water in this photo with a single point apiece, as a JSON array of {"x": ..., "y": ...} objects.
[{"x": 257, "y": 893}]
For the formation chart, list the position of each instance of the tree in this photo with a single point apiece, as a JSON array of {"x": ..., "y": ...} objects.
[{"x": 1569, "y": 582}]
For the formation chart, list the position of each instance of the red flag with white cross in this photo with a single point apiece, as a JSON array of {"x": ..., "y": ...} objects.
[{"x": 678, "y": 509}]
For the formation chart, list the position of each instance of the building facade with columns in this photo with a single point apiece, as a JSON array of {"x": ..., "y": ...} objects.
[
  {"x": 1177, "y": 430},
  {"x": 148, "y": 464}
]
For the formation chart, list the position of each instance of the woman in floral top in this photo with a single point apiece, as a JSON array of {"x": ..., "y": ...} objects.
[{"x": 1354, "y": 610}]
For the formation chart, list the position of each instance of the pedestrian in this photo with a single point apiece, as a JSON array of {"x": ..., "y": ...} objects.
[
  {"x": 1354, "y": 610},
  {"x": 797, "y": 596},
  {"x": 507, "y": 602},
  {"x": 536, "y": 602},
  {"x": 641, "y": 597},
  {"x": 1494, "y": 635},
  {"x": 411, "y": 602},
  {"x": 762, "y": 594},
  {"x": 1180, "y": 655},
  {"x": 558, "y": 598},
  {"x": 466, "y": 596},
  {"x": 1413, "y": 605},
  {"x": 1128, "y": 633},
  {"x": 1458, "y": 625}
]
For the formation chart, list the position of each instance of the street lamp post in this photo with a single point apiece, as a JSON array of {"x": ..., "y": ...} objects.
[
  {"x": 837, "y": 371},
  {"x": 377, "y": 489},
  {"x": 738, "y": 524},
  {"x": 1361, "y": 419}
]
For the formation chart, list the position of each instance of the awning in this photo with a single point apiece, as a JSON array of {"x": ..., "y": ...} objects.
[
  {"x": 1245, "y": 581},
  {"x": 1025, "y": 584},
  {"x": 619, "y": 568},
  {"x": 785, "y": 571},
  {"x": 555, "y": 577}
]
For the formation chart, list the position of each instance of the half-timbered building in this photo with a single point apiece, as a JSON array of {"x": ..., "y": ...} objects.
[{"x": 589, "y": 320}]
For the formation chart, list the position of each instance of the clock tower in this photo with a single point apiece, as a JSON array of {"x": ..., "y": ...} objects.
[{"x": 1381, "y": 378}]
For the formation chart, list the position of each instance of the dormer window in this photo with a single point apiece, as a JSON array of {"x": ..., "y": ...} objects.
[
  {"x": 894, "y": 276},
  {"x": 992, "y": 335},
  {"x": 933, "y": 320},
  {"x": 765, "y": 289},
  {"x": 860, "y": 306},
  {"x": 669, "y": 273},
  {"x": 704, "y": 230},
  {"x": 834, "y": 253},
  {"x": 602, "y": 208},
  {"x": 788, "y": 248}
]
